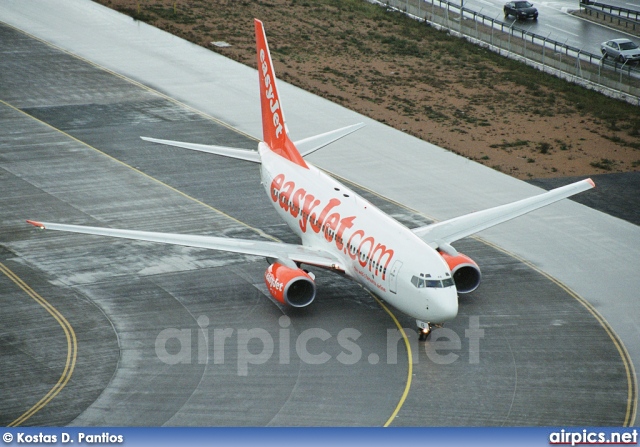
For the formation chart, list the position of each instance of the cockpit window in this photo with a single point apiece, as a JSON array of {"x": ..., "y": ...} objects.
[
  {"x": 421, "y": 282},
  {"x": 448, "y": 282}
]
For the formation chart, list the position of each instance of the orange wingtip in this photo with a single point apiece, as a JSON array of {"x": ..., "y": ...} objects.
[
  {"x": 36, "y": 224},
  {"x": 591, "y": 182}
]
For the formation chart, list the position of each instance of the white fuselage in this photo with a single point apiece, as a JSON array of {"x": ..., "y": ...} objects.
[{"x": 375, "y": 250}]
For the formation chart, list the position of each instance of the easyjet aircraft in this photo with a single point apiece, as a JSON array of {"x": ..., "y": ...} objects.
[{"x": 417, "y": 271}]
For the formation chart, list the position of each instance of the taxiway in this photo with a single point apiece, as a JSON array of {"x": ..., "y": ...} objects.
[{"x": 72, "y": 113}]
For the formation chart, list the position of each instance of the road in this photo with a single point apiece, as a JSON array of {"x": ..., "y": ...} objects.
[{"x": 555, "y": 23}]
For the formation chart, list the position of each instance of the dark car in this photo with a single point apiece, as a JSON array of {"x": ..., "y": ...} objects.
[{"x": 520, "y": 10}]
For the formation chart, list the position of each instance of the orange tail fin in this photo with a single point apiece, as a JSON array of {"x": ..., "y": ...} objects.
[{"x": 274, "y": 129}]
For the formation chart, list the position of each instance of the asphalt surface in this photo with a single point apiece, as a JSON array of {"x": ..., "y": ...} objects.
[
  {"x": 70, "y": 152},
  {"x": 615, "y": 194}
]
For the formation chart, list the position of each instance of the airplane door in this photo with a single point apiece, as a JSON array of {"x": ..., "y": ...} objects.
[{"x": 393, "y": 276}]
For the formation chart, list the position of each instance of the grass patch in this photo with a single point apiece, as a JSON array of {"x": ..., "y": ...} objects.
[
  {"x": 604, "y": 164},
  {"x": 433, "y": 114},
  {"x": 622, "y": 142},
  {"x": 544, "y": 147},
  {"x": 509, "y": 145},
  {"x": 563, "y": 146}
]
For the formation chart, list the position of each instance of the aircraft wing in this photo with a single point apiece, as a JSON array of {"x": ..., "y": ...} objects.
[
  {"x": 278, "y": 250},
  {"x": 441, "y": 234}
]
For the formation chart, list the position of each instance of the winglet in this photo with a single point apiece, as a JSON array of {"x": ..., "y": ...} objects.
[
  {"x": 36, "y": 224},
  {"x": 591, "y": 182},
  {"x": 274, "y": 129}
]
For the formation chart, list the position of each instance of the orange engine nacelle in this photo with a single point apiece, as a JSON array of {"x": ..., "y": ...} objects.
[
  {"x": 291, "y": 286},
  {"x": 466, "y": 273}
]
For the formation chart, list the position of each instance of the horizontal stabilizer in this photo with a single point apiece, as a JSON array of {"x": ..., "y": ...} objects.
[
  {"x": 441, "y": 234},
  {"x": 242, "y": 154},
  {"x": 312, "y": 144}
]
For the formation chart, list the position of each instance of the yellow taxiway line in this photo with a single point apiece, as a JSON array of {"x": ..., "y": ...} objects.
[{"x": 72, "y": 346}]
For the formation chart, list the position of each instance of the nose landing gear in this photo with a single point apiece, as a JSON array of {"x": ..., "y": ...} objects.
[{"x": 424, "y": 329}]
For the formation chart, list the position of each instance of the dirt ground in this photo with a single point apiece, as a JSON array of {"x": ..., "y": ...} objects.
[{"x": 419, "y": 80}]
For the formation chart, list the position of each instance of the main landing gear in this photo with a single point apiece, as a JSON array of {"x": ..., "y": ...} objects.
[{"x": 424, "y": 329}]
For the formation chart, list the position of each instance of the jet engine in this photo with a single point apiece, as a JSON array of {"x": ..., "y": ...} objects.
[
  {"x": 291, "y": 286},
  {"x": 466, "y": 273}
]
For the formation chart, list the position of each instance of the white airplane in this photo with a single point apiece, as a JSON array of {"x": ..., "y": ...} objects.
[{"x": 417, "y": 271}]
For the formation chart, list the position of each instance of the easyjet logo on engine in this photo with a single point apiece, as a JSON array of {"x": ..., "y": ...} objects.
[
  {"x": 273, "y": 282},
  {"x": 325, "y": 219},
  {"x": 274, "y": 106}
]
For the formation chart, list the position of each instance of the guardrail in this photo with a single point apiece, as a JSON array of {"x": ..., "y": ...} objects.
[
  {"x": 619, "y": 10},
  {"x": 571, "y": 63},
  {"x": 626, "y": 21}
]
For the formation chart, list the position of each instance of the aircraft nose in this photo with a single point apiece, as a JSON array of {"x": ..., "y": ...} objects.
[{"x": 447, "y": 305}]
